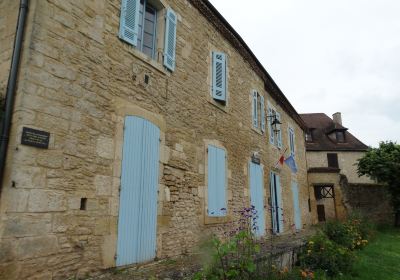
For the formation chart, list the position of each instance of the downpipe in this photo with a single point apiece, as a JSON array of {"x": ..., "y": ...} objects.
[{"x": 11, "y": 86}]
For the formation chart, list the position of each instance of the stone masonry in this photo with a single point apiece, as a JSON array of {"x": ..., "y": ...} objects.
[{"x": 78, "y": 81}]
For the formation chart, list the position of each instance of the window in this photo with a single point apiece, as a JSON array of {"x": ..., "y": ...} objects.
[
  {"x": 340, "y": 136},
  {"x": 275, "y": 136},
  {"x": 216, "y": 191},
  {"x": 309, "y": 136},
  {"x": 146, "y": 41},
  {"x": 333, "y": 160},
  {"x": 219, "y": 76},
  {"x": 292, "y": 139},
  {"x": 258, "y": 112},
  {"x": 138, "y": 27}
]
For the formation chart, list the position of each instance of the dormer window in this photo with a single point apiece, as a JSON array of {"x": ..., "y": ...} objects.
[
  {"x": 340, "y": 136},
  {"x": 309, "y": 136}
]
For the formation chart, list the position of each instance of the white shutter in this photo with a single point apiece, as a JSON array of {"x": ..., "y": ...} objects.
[
  {"x": 129, "y": 21},
  {"x": 170, "y": 40}
]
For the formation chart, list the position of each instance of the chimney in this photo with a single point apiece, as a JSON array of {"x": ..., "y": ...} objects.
[{"x": 337, "y": 118}]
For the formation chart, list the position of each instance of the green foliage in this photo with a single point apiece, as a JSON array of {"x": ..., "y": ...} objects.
[
  {"x": 321, "y": 253},
  {"x": 232, "y": 258},
  {"x": 383, "y": 164},
  {"x": 351, "y": 234}
]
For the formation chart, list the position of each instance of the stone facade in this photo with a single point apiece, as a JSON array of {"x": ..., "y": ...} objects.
[
  {"x": 8, "y": 19},
  {"x": 79, "y": 81},
  {"x": 347, "y": 164}
]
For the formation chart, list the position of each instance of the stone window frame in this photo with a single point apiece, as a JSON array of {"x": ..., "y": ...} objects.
[
  {"x": 155, "y": 62},
  {"x": 224, "y": 106},
  {"x": 290, "y": 126},
  {"x": 258, "y": 129},
  {"x": 216, "y": 220},
  {"x": 269, "y": 128}
]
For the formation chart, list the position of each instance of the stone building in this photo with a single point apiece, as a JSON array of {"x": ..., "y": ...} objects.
[
  {"x": 332, "y": 154},
  {"x": 138, "y": 128}
]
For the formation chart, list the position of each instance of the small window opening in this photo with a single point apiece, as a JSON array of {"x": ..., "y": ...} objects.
[
  {"x": 83, "y": 203},
  {"x": 146, "y": 79}
]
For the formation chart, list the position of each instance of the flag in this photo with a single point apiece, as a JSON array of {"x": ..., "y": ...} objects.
[
  {"x": 291, "y": 163},
  {"x": 281, "y": 159}
]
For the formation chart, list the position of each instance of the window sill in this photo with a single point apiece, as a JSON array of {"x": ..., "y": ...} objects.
[
  {"x": 147, "y": 60},
  {"x": 258, "y": 131},
  {"x": 219, "y": 105},
  {"x": 217, "y": 220}
]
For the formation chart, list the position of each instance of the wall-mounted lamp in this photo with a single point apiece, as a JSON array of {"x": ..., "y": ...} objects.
[{"x": 275, "y": 123}]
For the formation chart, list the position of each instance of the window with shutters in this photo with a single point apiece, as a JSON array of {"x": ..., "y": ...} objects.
[
  {"x": 292, "y": 143},
  {"x": 275, "y": 136},
  {"x": 216, "y": 182},
  {"x": 258, "y": 111},
  {"x": 150, "y": 28},
  {"x": 218, "y": 86}
]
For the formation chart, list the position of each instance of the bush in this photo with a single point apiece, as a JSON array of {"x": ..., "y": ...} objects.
[
  {"x": 321, "y": 253},
  {"x": 352, "y": 234},
  {"x": 233, "y": 257}
]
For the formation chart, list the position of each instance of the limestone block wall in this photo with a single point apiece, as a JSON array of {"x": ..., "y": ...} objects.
[
  {"x": 347, "y": 164},
  {"x": 78, "y": 81},
  {"x": 8, "y": 22}
]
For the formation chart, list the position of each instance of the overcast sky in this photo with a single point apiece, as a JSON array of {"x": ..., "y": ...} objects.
[{"x": 329, "y": 56}]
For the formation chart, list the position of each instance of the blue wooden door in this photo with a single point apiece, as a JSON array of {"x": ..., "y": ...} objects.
[
  {"x": 137, "y": 220},
  {"x": 257, "y": 196},
  {"x": 296, "y": 206}
]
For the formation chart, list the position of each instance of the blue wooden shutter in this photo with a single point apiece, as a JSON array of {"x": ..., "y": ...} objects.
[
  {"x": 257, "y": 196},
  {"x": 254, "y": 111},
  {"x": 296, "y": 206},
  {"x": 280, "y": 205},
  {"x": 271, "y": 130},
  {"x": 291, "y": 141},
  {"x": 129, "y": 21},
  {"x": 170, "y": 40},
  {"x": 219, "y": 76},
  {"x": 262, "y": 114},
  {"x": 216, "y": 194},
  {"x": 279, "y": 136}
]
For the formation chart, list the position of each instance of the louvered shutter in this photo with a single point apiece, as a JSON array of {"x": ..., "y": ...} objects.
[
  {"x": 129, "y": 21},
  {"x": 216, "y": 194},
  {"x": 291, "y": 141},
  {"x": 280, "y": 205},
  {"x": 271, "y": 130},
  {"x": 170, "y": 40},
  {"x": 255, "y": 113},
  {"x": 219, "y": 76},
  {"x": 262, "y": 114},
  {"x": 279, "y": 136}
]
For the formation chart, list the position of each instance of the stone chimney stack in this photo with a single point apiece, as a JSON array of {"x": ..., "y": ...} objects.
[{"x": 337, "y": 118}]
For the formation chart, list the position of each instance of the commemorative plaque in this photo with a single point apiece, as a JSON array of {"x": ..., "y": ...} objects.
[{"x": 35, "y": 138}]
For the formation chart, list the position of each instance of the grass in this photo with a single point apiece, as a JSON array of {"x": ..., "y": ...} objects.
[{"x": 380, "y": 259}]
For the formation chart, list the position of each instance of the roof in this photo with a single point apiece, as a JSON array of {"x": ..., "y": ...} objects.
[
  {"x": 321, "y": 125},
  {"x": 229, "y": 33}
]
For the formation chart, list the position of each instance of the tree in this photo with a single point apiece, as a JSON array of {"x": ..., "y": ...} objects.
[{"x": 383, "y": 165}]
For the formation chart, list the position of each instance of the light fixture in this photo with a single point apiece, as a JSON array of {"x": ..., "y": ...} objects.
[{"x": 275, "y": 123}]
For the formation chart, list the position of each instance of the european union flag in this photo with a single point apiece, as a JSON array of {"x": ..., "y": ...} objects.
[{"x": 291, "y": 163}]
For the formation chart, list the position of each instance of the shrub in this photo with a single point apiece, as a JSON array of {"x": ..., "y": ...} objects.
[
  {"x": 352, "y": 234},
  {"x": 233, "y": 257},
  {"x": 321, "y": 253}
]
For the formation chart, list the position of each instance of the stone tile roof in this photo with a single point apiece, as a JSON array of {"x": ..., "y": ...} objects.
[
  {"x": 229, "y": 33},
  {"x": 321, "y": 125}
]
